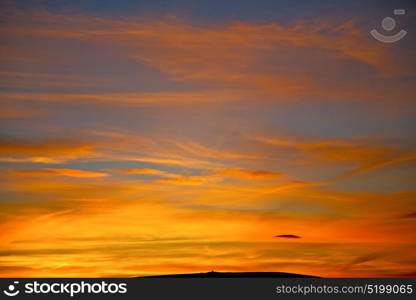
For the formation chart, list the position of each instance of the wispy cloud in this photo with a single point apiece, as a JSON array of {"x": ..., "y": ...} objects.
[
  {"x": 43, "y": 151},
  {"x": 248, "y": 174},
  {"x": 58, "y": 172}
]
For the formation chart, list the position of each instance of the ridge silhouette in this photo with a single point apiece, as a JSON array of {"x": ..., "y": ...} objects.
[{"x": 214, "y": 274}]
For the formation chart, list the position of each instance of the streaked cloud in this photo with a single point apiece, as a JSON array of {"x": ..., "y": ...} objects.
[
  {"x": 235, "y": 60},
  {"x": 368, "y": 156},
  {"x": 48, "y": 150},
  {"x": 142, "y": 171},
  {"x": 58, "y": 172},
  {"x": 248, "y": 174}
]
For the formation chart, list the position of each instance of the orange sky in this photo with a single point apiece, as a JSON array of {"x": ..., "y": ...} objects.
[{"x": 152, "y": 144}]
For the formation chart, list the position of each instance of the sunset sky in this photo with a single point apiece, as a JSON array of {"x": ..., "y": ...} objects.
[{"x": 158, "y": 137}]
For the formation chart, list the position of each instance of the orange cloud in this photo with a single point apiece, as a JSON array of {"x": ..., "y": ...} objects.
[
  {"x": 336, "y": 150},
  {"x": 189, "y": 237},
  {"x": 58, "y": 172},
  {"x": 209, "y": 175},
  {"x": 380, "y": 164},
  {"x": 16, "y": 112},
  {"x": 230, "y": 58},
  {"x": 142, "y": 171},
  {"x": 369, "y": 157},
  {"x": 126, "y": 98},
  {"x": 247, "y": 217},
  {"x": 35, "y": 80},
  {"x": 199, "y": 150},
  {"x": 46, "y": 151},
  {"x": 247, "y": 174}
]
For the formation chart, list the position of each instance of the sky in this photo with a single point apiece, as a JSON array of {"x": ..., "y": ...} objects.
[{"x": 160, "y": 137}]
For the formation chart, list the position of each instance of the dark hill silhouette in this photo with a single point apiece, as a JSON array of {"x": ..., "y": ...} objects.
[
  {"x": 288, "y": 236},
  {"x": 213, "y": 274}
]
